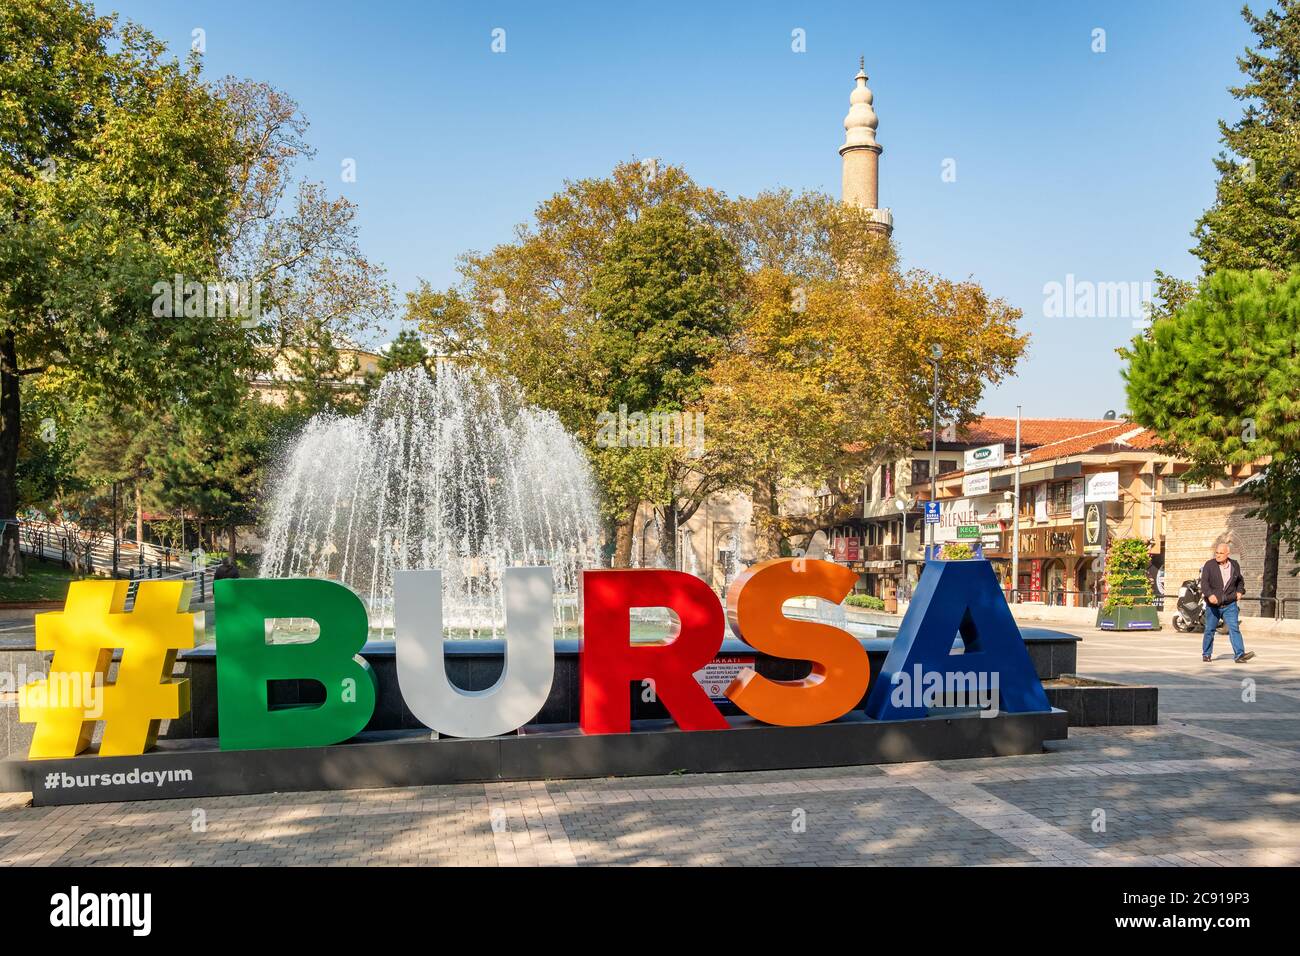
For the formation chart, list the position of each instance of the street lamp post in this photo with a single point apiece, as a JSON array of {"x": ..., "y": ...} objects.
[
  {"x": 936, "y": 352},
  {"x": 1015, "y": 520}
]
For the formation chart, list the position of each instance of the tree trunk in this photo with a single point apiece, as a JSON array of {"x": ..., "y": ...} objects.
[
  {"x": 668, "y": 540},
  {"x": 1268, "y": 582},
  {"x": 767, "y": 524},
  {"x": 623, "y": 538},
  {"x": 139, "y": 520},
  {"x": 233, "y": 541},
  {"x": 11, "y": 563}
]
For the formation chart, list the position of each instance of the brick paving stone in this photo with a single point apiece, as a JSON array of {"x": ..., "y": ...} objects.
[{"x": 1216, "y": 783}]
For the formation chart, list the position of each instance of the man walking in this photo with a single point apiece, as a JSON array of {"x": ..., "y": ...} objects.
[{"x": 1222, "y": 586}]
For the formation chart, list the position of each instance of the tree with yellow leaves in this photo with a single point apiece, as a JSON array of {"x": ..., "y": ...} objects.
[
  {"x": 832, "y": 367},
  {"x": 806, "y": 366}
]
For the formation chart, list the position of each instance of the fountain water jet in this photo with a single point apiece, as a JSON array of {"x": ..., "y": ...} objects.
[{"x": 451, "y": 473}]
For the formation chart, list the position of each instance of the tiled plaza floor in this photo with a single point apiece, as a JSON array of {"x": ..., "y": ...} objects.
[{"x": 1217, "y": 782}]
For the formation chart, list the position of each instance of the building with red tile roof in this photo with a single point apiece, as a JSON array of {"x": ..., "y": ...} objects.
[{"x": 1065, "y": 463}]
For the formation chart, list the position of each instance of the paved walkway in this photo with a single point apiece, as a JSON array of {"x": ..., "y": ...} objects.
[{"x": 1217, "y": 782}]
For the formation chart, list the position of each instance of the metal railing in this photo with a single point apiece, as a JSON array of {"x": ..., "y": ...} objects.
[
  {"x": 97, "y": 553},
  {"x": 1054, "y": 597},
  {"x": 1261, "y": 607},
  {"x": 200, "y": 576},
  {"x": 137, "y": 561},
  {"x": 1279, "y": 608}
]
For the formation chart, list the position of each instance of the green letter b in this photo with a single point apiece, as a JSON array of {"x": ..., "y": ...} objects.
[{"x": 246, "y": 663}]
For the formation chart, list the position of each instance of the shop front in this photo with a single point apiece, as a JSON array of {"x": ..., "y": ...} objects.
[{"x": 1053, "y": 568}]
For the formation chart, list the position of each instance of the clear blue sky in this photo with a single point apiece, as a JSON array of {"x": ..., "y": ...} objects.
[{"x": 1067, "y": 161}]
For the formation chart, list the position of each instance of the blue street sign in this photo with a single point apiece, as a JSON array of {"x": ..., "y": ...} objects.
[{"x": 932, "y": 512}]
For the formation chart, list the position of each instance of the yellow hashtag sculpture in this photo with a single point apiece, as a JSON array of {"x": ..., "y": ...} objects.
[{"x": 93, "y": 623}]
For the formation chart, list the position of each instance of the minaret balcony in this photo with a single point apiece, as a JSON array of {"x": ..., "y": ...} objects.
[{"x": 883, "y": 216}]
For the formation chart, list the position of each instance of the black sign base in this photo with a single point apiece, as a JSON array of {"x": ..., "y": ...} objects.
[{"x": 198, "y": 768}]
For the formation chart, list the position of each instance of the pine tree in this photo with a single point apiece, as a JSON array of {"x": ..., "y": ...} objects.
[
  {"x": 1218, "y": 381},
  {"x": 1217, "y": 389},
  {"x": 1255, "y": 220},
  {"x": 407, "y": 350}
]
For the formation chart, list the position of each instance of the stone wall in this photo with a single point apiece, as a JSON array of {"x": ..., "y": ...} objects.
[{"x": 1198, "y": 521}]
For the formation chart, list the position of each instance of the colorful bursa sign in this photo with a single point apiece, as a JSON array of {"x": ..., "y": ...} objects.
[{"x": 953, "y": 597}]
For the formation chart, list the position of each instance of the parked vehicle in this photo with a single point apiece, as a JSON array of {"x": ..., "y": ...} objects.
[{"x": 1190, "y": 613}]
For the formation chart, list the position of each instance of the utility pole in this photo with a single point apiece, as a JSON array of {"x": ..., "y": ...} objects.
[
  {"x": 937, "y": 353},
  {"x": 1015, "y": 520},
  {"x": 902, "y": 554},
  {"x": 904, "y": 505}
]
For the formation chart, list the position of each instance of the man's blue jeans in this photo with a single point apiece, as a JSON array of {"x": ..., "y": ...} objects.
[{"x": 1229, "y": 613}]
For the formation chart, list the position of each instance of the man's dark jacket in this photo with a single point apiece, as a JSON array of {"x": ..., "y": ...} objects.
[{"x": 1212, "y": 582}]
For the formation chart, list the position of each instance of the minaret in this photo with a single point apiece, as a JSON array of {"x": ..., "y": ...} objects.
[{"x": 861, "y": 155}]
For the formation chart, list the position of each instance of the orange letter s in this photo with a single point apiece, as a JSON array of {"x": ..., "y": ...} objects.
[{"x": 841, "y": 669}]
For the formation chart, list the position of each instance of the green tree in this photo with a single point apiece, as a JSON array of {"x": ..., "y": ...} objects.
[
  {"x": 114, "y": 176},
  {"x": 113, "y": 445},
  {"x": 1254, "y": 223},
  {"x": 1218, "y": 382},
  {"x": 595, "y": 305},
  {"x": 665, "y": 301},
  {"x": 523, "y": 310},
  {"x": 318, "y": 294},
  {"x": 46, "y": 456},
  {"x": 1171, "y": 294},
  {"x": 1255, "y": 220},
  {"x": 407, "y": 350},
  {"x": 215, "y": 475}
]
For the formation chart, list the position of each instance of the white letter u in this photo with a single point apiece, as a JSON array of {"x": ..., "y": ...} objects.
[{"x": 525, "y": 681}]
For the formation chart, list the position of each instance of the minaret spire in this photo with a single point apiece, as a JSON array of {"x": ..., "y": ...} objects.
[{"x": 861, "y": 152}]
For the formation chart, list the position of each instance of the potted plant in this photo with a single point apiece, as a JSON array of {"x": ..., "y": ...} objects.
[{"x": 1129, "y": 604}]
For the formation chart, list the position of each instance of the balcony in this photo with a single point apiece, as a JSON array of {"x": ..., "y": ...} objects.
[{"x": 883, "y": 216}]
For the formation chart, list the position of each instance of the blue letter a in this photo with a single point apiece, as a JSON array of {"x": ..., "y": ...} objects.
[{"x": 953, "y": 597}]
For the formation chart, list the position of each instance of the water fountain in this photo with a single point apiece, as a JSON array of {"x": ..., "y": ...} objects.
[{"x": 450, "y": 472}]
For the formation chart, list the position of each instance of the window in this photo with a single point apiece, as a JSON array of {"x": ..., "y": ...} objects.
[
  {"x": 920, "y": 470},
  {"x": 1172, "y": 485},
  {"x": 1058, "y": 502},
  {"x": 946, "y": 465}
]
